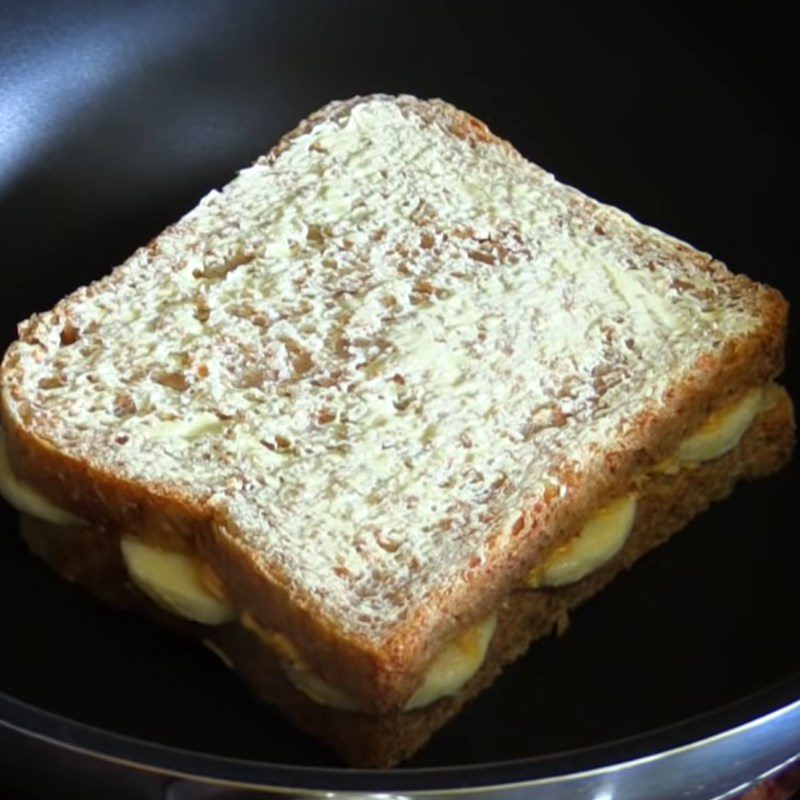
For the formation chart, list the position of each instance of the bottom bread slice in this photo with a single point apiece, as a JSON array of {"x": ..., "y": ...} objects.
[{"x": 666, "y": 503}]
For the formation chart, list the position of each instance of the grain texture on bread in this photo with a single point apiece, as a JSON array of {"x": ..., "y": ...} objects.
[
  {"x": 376, "y": 376},
  {"x": 667, "y": 503}
]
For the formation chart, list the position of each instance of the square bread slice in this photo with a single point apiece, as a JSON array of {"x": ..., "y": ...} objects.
[{"x": 378, "y": 379}]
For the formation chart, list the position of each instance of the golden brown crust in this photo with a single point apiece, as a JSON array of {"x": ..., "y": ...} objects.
[
  {"x": 740, "y": 365},
  {"x": 666, "y": 504},
  {"x": 382, "y": 675},
  {"x": 381, "y": 678}
]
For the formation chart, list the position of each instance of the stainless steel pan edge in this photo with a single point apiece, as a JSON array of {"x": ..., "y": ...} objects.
[{"x": 720, "y": 765}]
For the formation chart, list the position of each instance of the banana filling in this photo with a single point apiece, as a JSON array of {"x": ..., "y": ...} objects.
[
  {"x": 190, "y": 589},
  {"x": 176, "y": 582},
  {"x": 600, "y": 539},
  {"x": 720, "y": 433},
  {"x": 454, "y": 665},
  {"x": 27, "y": 499},
  {"x": 604, "y": 535}
]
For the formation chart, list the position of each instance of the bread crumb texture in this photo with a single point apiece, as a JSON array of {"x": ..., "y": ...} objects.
[{"x": 372, "y": 349}]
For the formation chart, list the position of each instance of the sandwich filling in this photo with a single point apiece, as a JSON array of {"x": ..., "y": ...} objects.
[
  {"x": 720, "y": 433},
  {"x": 175, "y": 582},
  {"x": 189, "y": 588},
  {"x": 26, "y": 499},
  {"x": 600, "y": 539},
  {"x": 452, "y": 667},
  {"x": 604, "y": 535}
]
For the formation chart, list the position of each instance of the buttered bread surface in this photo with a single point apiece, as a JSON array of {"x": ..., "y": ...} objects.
[{"x": 377, "y": 355}]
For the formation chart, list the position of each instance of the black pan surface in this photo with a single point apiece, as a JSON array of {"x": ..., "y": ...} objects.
[{"x": 116, "y": 119}]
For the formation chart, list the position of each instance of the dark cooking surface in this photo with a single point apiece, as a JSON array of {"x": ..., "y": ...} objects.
[{"x": 109, "y": 130}]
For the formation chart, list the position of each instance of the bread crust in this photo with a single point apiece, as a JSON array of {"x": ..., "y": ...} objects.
[
  {"x": 666, "y": 504},
  {"x": 382, "y": 672}
]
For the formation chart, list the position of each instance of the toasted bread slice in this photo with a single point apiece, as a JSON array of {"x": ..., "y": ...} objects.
[
  {"x": 667, "y": 501},
  {"x": 376, "y": 378}
]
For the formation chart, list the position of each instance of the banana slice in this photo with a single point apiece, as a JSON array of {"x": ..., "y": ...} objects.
[
  {"x": 598, "y": 542},
  {"x": 173, "y": 581},
  {"x": 457, "y": 662},
  {"x": 722, "y": 430},
  {"x": 26, "y": 499}
]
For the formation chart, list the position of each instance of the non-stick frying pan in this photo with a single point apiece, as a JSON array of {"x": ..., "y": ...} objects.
[{"x": 683, "y": 678}]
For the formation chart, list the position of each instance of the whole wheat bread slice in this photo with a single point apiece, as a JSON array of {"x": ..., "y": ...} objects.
[
  {"x": 666, "y": 503},
  {"x": 375, "y": 377}
]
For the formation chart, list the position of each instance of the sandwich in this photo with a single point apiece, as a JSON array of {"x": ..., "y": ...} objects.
[{"x": 381, "y": 412}]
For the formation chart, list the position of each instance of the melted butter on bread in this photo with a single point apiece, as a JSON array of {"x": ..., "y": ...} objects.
[
  {"x": 191, "y": 589},
  {"x": 194, "y": 592},
  {"x": 390, "y": 264}
]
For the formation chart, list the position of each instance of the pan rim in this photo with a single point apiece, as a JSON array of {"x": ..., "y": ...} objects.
[{"x": 758, "y": 710}]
